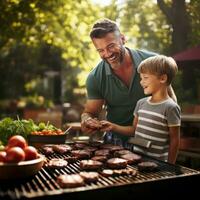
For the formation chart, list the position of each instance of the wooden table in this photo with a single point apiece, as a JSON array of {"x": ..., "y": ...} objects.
[
  {"x": 190, "y": 135},
  {"x": 190, "y": 118},
  {"x": 190, "y": 125}
]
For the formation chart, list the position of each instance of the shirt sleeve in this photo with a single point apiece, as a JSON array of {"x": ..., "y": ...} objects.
[
  {"x": 135, "y": 113},
  {"x": 174, "y": 116},
  {"x": 93, "y": 91}
]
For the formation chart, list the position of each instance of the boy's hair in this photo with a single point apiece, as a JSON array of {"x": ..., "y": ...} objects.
[
  {"x": 159, "y": 65},
  {"x": 102, "y": 27}
]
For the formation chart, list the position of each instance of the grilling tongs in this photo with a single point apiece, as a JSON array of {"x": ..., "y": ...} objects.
[{"x": 140, "y": 142}]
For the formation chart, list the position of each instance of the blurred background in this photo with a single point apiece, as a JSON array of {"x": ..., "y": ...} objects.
[{"x": 46, "y": 53}]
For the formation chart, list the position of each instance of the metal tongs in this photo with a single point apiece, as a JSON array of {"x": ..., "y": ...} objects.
[
  {"x": 66, "y": 132},
  {"x": 97, "y": 137}
]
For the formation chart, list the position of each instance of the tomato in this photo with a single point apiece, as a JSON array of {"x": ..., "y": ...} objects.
[
  {"x": 2, "y": 156},
  {"x": 30, "y": 153},
  {"x": 17, "y": 141},
  {"x": 15, "y": 154}
]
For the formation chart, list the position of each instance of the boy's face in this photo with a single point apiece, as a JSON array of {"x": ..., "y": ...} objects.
[
  {"x": 151, "y": 83},
  {"x": 111, "y": 49}
]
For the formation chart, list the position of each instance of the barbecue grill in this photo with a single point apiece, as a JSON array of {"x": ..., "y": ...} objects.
[{"x": 169, "y": 179}]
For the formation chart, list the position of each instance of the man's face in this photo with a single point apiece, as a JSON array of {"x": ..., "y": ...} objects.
[{"x": 111, "y": 49}]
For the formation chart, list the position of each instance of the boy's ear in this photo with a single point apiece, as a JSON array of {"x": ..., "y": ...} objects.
[{"x": 163, "y": 78}]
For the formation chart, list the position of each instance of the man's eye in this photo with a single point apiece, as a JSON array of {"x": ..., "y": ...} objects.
[
  {"x": 111, "y": 46},
  {"x": 100, "y": 50}
]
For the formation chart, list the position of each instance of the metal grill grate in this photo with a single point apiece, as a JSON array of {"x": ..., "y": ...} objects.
[{"x": 44, "y": 182}]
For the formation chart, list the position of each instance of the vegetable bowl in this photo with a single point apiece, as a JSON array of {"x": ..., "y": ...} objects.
[{"x": 21, "y": 170}]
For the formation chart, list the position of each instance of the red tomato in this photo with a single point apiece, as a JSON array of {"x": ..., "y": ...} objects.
[
  {"x": 30, "y": 153},
  {"x": 17, "y": 141},
  {"x": 2, "y": 156},
  {"x": 15, "y": 155}
]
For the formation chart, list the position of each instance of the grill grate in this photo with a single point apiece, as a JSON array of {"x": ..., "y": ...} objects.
[{"x": 44, "y": 182}]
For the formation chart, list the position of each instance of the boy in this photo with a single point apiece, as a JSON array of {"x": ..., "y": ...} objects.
[{"x": 157, "y": 117}]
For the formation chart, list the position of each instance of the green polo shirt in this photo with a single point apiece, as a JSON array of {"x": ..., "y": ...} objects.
[{"x": 119, "y": 99}]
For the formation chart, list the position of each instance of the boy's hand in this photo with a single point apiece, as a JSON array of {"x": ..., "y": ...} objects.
[{"x": 106, "y": 126}]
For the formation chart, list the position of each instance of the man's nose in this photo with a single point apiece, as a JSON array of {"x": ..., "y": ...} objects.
[{"x": 107, "y": 53}]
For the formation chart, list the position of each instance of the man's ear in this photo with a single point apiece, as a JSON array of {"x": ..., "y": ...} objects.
[
  {"x": 123, "y": 39},
  {"x": 163, "y": 78}
]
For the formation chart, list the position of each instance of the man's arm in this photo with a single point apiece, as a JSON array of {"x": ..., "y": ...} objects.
[
  {"x": 174, "y": 137},
  {"x": 89, "y": 121}
]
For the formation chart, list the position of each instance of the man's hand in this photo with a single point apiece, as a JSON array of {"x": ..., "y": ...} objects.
[{"x": 90, "y": 125}]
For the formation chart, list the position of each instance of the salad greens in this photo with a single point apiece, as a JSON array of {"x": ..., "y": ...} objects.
[{"x": 10, "y": 127}]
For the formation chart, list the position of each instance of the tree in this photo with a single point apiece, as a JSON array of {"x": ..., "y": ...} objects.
[
  {"x": 167, "y": 27},
  {"x": 28, "y": 27},
  {"x": 145, "y": 26},
  {"x": 178, "y": 18}
]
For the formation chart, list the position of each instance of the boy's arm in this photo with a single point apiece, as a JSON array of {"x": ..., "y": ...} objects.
[
  {"x": 174, "y": 138},
  {"x": 125, "y": 130}
]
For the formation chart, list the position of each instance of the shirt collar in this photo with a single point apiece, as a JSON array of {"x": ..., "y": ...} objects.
[{"x": 107, "y": 68}]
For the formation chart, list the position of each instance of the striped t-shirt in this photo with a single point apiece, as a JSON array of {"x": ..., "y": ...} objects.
[{"x": 154, "y": 120}]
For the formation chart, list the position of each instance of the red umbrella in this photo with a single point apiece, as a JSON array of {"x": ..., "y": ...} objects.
[{"x": 191, "y": 54}]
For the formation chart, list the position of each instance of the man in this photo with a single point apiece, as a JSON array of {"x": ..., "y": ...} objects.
[{"x": 114, "y": 82}]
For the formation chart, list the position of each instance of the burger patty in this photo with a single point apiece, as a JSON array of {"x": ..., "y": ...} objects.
[
  {"x": 132, "y": 158},
  {"x": 57, "y": 163},
  {"x": 61, "y": 148},
  {"x": 147, "y": 166},
  {"x": 89, "y": 177},
  {"x": 118, "y": 172},
  {"x": 127, "y": 171},
  {"x": 81, "y": 154},
  {"x": 90, "y": 149},
  {"x": 99, "y": 158},
  {"x": 102, "y": 152},
  {"x": 79, "y": 146},
  {"x": 117, "y": 163},
  {"x": 47, "y": 150},
  {"x": 90, "y": 165},
  {"x": 107, "y": 172},
  {"x": 95, "y": 144},
  {"x": 70, "y": 181},
  {"x": 112, "y": 148},
  {"x": 121, "y": 152}
]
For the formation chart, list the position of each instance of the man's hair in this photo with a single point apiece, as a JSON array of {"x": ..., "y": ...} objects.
[
  {"x": 159, "y": 65},
  {"x": 102, "y": 27}
]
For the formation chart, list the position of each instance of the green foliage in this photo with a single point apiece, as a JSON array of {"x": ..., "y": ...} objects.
[
  {"x": 10, "y": 127},
  {"x": 33, "y": 32},
  {"x": 145, "y": 26},
  {"x": 194, "y": 14},
  {"x": 41, "y": 36},
  {"x": 34, "y": 101}
]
